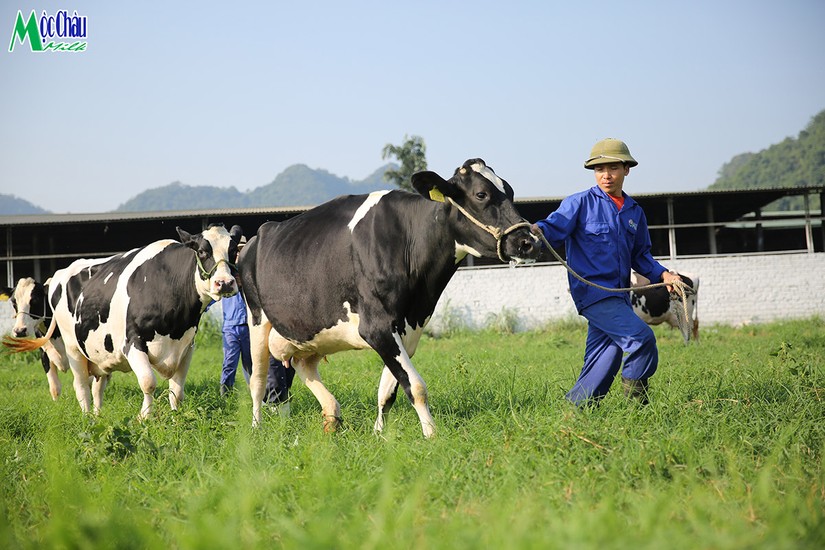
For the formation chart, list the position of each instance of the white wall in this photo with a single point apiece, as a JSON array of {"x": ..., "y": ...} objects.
[{"x": 733, "y": 290}]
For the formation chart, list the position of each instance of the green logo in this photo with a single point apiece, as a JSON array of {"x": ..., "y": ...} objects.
[{"x": 40, "y": 33}]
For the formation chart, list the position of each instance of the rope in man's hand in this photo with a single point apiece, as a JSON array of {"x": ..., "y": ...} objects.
[{"x": 678, "y": 290}]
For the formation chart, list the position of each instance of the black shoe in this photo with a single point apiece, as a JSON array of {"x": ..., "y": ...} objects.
[{"x": 225, "y": 390}]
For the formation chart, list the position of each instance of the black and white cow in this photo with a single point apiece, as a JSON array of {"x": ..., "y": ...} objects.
[
  {"x": 366, "y": 271},
  {"x": 139, "y": 310},
  {"x": 655, "y": 306},
  {"x": 31, "y": 312}
]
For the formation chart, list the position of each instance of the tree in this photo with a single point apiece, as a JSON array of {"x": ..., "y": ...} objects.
[{"x": 412, "y": 156}]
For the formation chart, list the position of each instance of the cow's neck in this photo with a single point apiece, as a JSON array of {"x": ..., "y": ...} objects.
[{"x": 435, "y": 258}]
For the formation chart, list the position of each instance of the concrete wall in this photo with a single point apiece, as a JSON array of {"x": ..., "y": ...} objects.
[{"x": 733, "y": 290}]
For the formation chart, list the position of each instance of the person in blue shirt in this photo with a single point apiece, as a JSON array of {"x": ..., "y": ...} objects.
[
  {"x": 235, "y": 342},
  {"x": 605, "y": 235},
  {"x": 236, "y": 346}
]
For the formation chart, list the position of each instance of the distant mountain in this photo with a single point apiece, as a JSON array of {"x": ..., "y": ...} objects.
[
  {"x": 177, "y": 196},
  {"x": 298, "y": 185},
  {"x": 793, "y": 162},
  {"x": 12, "y": 206}
]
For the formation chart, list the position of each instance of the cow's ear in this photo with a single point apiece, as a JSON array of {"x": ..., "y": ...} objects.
[
  {"x": 186, "y": 238},
  {"x": 236, "y": 233},
  {"x": 432, "y": 186},
  {"x": 5, "y": 293}
]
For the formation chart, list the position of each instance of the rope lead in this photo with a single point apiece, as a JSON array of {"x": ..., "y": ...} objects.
[{"x": 680, "y": 288}]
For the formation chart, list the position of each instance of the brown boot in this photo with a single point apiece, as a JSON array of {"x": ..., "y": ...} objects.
[{"x": 636, "y": 389}]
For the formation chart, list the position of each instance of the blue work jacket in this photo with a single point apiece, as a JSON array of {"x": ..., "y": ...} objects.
[
  {"x": 234, "y": 310},
  {"x": 602, "y": 243}
]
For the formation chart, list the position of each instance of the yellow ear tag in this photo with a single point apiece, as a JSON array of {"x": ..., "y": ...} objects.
[{"x": 436, "y": 195}]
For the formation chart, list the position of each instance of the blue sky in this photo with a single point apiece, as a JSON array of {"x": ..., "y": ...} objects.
[{"x": 207, "y": 94}]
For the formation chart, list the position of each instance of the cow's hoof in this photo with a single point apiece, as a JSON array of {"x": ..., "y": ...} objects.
[{"x": 331, "y": 423}]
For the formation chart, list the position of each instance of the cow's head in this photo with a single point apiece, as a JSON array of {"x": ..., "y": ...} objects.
[
  {"x": 216, "y": 251},
  {"x": 28, "y": 299},
  {"x": 487, "y": 223}
]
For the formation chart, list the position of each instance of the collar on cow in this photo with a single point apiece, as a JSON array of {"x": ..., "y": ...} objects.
[
  {"x": 206, "y": 274},
  {"x": 497, "y": 233}
]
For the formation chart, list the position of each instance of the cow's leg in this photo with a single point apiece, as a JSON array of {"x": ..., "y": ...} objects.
[
  {"x": 398, "y": 361},
  {"x": 139, "y": 362},
  {"x": 99, "y": 384},
  {"x": 388, "y": 387},
  {"x": 80, "y": 372},
  {"x": 51, "y": 375},
  {"x": 387, "y": 391},
  {"x": 177, "y": 381},
  {"x": 307, "y": 369},
  {"x": 54, "y": 382},
  {"x": 259, "y": 349}
]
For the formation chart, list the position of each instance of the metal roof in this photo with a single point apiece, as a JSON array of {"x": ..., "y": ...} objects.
[{"x": 56, "y": 219}]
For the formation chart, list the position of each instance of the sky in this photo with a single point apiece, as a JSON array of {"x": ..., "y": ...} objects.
[{"x": 207, "y": 94}]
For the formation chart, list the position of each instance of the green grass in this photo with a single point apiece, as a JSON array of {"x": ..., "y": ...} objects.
[{"x": 727, "y": 455}]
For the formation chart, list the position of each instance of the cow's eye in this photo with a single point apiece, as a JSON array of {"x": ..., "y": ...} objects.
[{"x": 481, "y": 195}]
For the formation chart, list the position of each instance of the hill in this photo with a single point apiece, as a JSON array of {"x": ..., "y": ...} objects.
[
  {"x": 794, "y": 162},
  {"x": 13, "y": 206},
  {"x": 298, "y": 185},
  {"x": 177, "y": 196}
]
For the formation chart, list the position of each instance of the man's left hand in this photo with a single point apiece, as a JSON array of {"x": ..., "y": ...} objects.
[{"x": 668, "y": 277}]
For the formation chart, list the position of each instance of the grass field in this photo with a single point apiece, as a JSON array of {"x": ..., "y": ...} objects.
[{"x": 727, "y": 455}]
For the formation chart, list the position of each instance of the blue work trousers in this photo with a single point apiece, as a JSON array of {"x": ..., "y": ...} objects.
[
  {"x": 235, "y": 346},
  {"x": 613, "y": 331}
]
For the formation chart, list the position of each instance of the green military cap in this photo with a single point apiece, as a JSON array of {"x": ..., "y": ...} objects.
[{"x": 607, "y": 151}]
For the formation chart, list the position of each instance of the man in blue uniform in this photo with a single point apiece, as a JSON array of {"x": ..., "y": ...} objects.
[
  {"x": 605, "y": 236},
  {"x": 236, "y": 346}
]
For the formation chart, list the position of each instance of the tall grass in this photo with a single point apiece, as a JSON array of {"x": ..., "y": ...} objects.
[{"x": 727, "y": 455}]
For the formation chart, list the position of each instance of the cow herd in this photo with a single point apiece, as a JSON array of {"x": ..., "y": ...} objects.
[{"x": 358, "y": 272}]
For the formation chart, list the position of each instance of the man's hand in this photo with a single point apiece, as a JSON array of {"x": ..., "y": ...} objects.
[{"x": 668, "y": 277}]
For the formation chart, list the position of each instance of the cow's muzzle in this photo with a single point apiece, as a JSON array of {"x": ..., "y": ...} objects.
[
  {"x": 527, "y": 246},
  {"x": 225, "y": 288},
  {"x": 519, "y": 245}
]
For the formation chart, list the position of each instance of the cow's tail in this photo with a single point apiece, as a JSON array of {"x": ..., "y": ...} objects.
[{"x": 18, "y": 345}]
